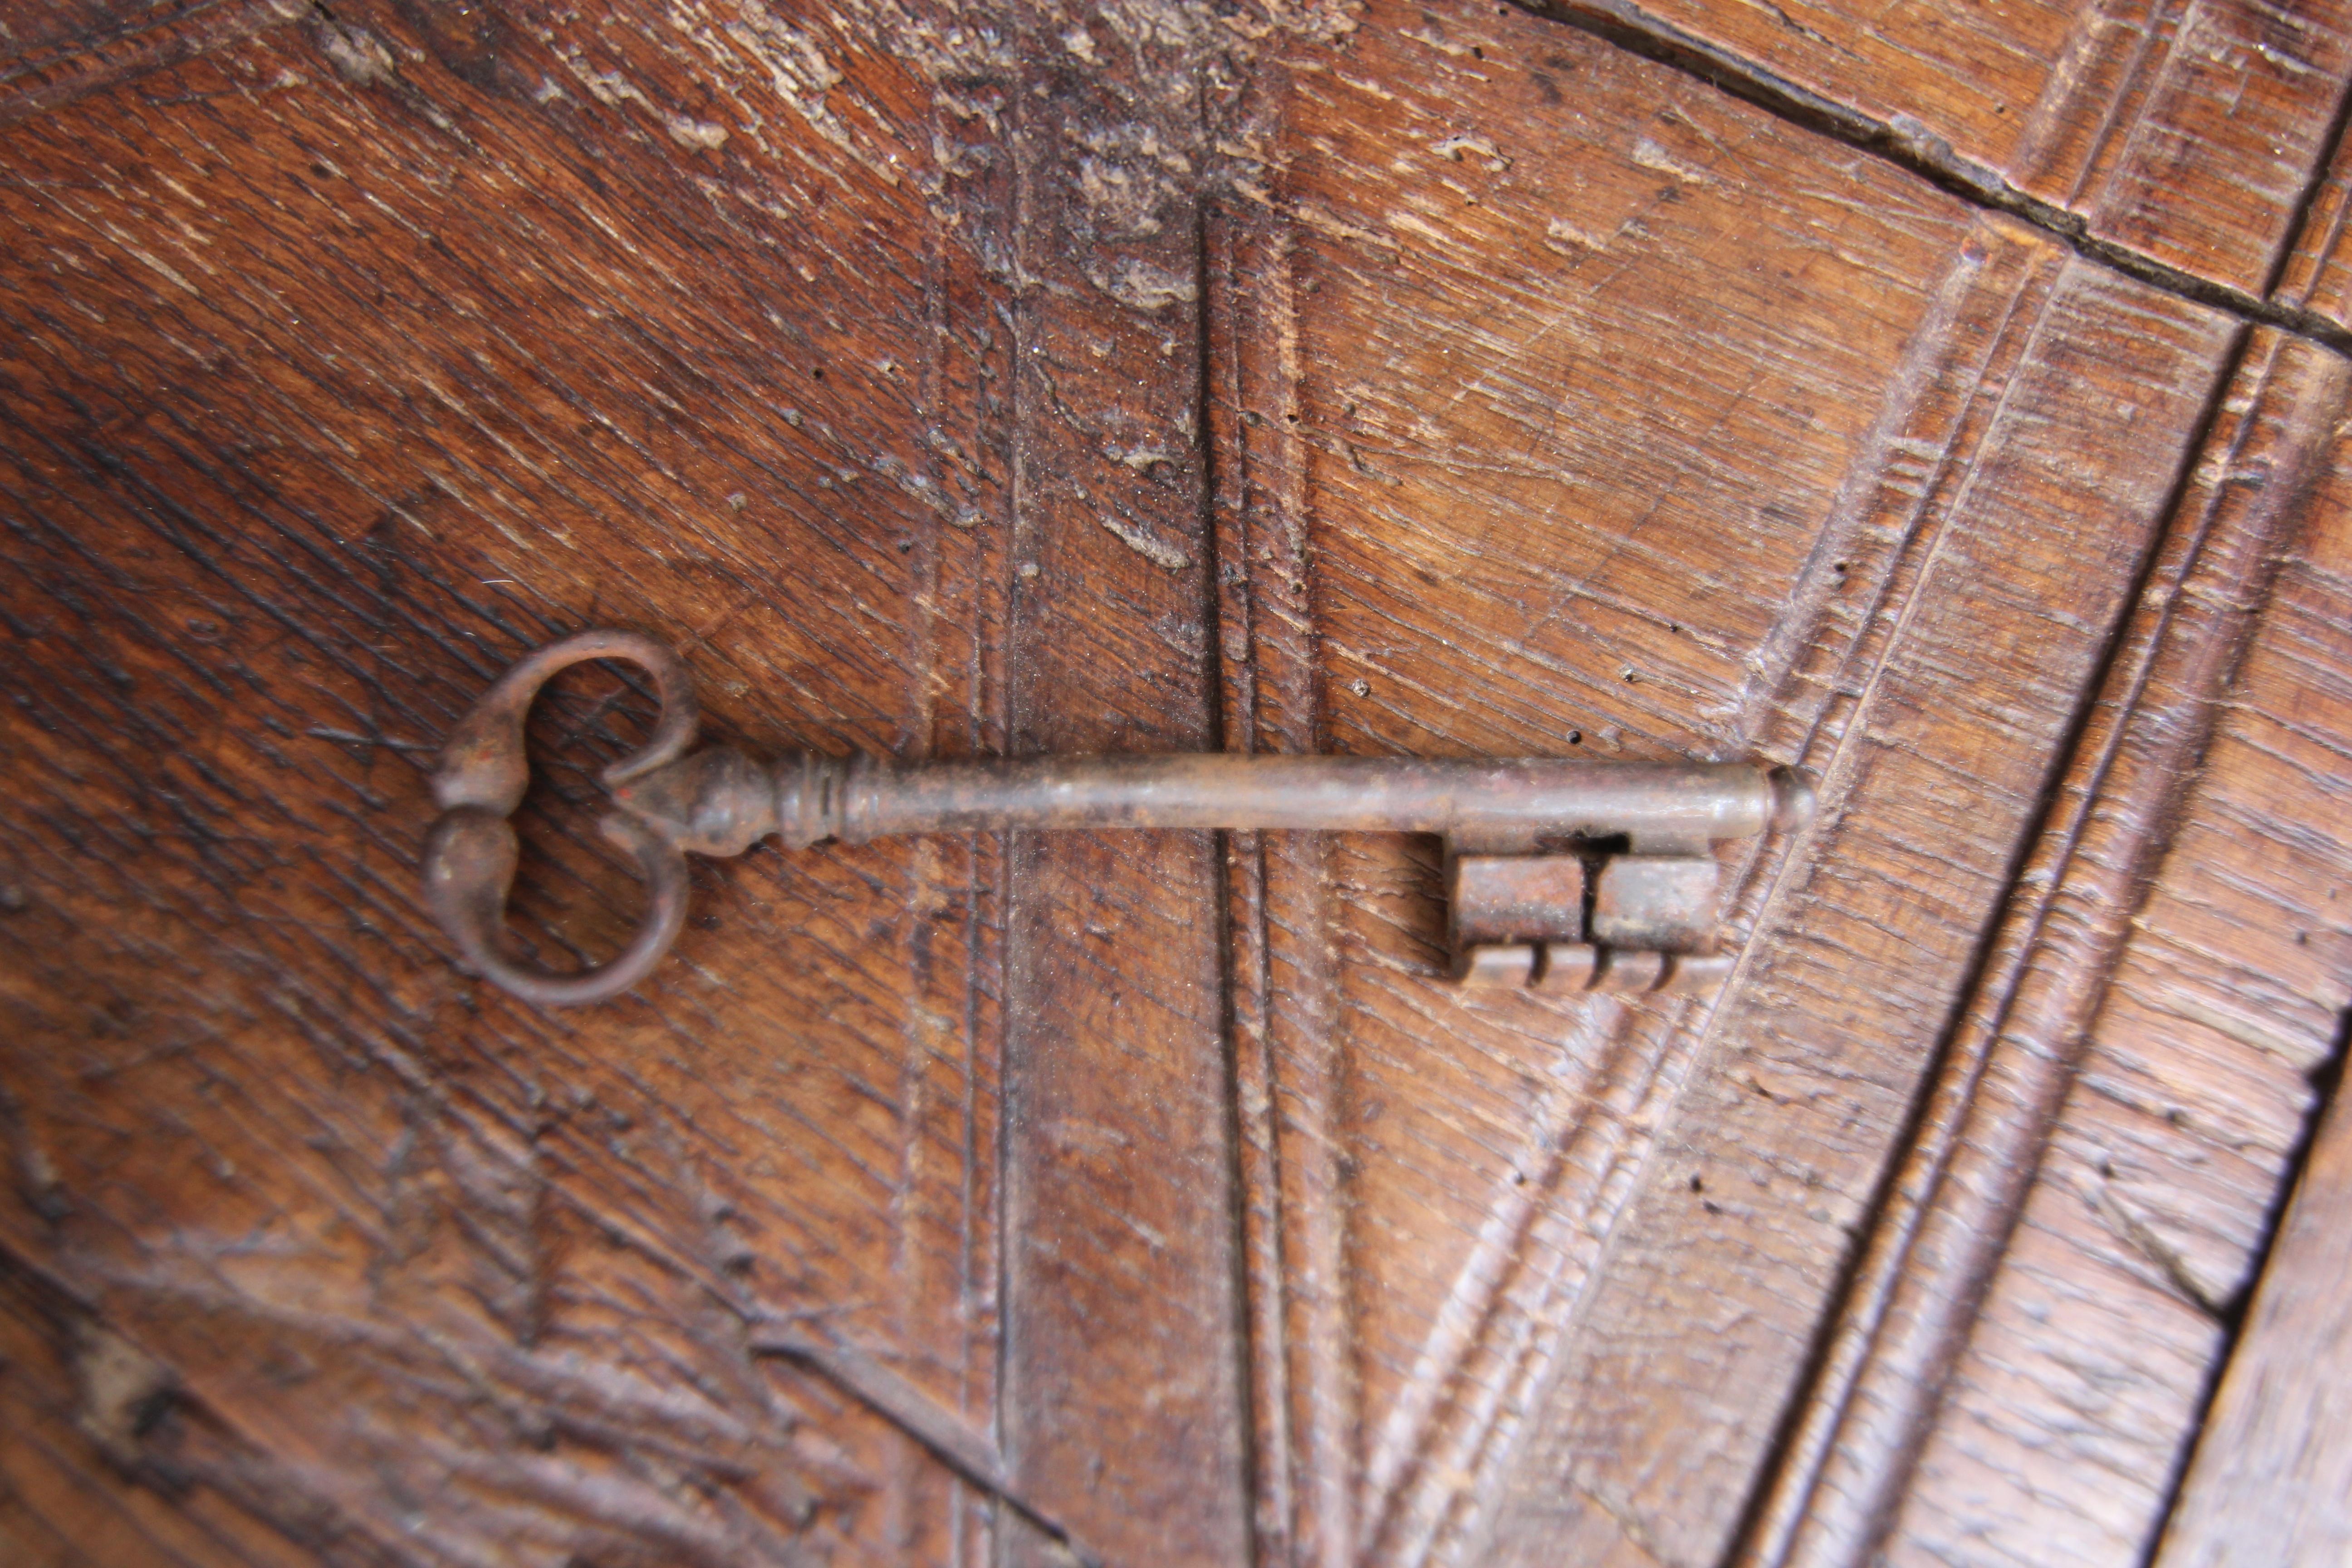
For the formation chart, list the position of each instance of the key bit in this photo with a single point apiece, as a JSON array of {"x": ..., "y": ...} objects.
[{"x": 1519, "y": 916}]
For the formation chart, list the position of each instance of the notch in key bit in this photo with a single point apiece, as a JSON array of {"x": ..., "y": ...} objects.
[{"x": 1650, "y": 923}]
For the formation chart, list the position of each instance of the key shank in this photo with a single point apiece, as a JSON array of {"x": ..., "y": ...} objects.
[{"x": 719, "y": 798}]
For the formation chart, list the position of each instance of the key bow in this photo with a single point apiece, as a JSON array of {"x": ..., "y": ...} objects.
[{"x": 472, "y": 851}]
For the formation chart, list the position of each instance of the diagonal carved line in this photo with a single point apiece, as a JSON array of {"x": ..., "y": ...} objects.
[
  {"x": 1874, "y": 1390},
  {"x": 1692, "y": 1038},
  {"x": 1783, "y": 1504},
  {"x": 34, "y": 86},
  {"x": 951, "y": 1440},
  {"x": 2327, "y": 1083},
  {"x": 1930, "y": 158}
]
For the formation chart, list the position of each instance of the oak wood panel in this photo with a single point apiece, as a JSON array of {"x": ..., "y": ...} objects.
[
  {"x": 1431, "y": 379},
  {"x": 1976, "y": 1377},
  {"x": 1813, "y": 1067},
  {"x": 1453, "y": 503},
  {"x": 356, "y": 358},
  {"x": 1125, "y": 1420},
  {"x": 1288, "y": 1056},
  {"x": 2274, "y": 1467},
  {"x": 2312, "y": 277},
  {"x": 2185, "y": 132},
  {"x": 2193, "y": 1093},
  {"x": 30, "y": 28},
  {"x": 63, "y": 1497},
  {"x": 1552, "y": 522}
]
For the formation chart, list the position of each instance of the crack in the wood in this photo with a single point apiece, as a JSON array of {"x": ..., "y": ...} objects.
[
  {"x": 1913, "y": 147},
  {"x": 946, "y": 1437},
  {"x": 2136, "y": 1232},
  {"x": 2327, "y": 1083}
]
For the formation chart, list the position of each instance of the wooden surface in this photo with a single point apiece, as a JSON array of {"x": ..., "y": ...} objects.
[
  {"x": 2093, "y": 1334},
  {"x": 2274, "y": 1462},
  {"x": 2183, "y": 137},
  {"x": 1950, "y": 406}
]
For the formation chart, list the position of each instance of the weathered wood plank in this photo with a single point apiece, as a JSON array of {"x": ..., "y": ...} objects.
[
  {"x": 1289, "y": 1053},
  {"x": 53, "y": 51},
  {"x": 1447, "y": 482},
  {"x": 1620, "y": 472},
  {"x": 1124, "y": 1396},
  {"x": 352, "y": 360},
  {"x": 2034, "y": 548},
  {"x": 2099, "y": 1329},
  {"x": 955, "y": 380},
  {"x": 75, "y": 1405},
  {"x": 2186, "y": 134},
  {"x": 2316, "y": 277}
]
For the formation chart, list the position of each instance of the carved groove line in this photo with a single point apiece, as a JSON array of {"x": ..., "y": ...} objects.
[
  {"x": 1631, "y": 28},
  {"x": 1962, "y": 1179},
  {"x": 37, "y": 86},
  {"x": 1636, "y": 1088},
  {"x": 1282, "y": 1035}
]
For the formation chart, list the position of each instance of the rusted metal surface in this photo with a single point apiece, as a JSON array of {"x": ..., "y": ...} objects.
[
  {"x": 1521, "y": 919},
  {"x": 1661, "y": 901},
  {"x": 1512, "y": 898}
]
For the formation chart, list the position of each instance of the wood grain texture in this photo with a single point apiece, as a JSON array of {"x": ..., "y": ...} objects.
[
  {"x": 2188, "y": 133},
  {"x": 2313, "y": 278},
  {"x": 1814, "y": 1066},
  {"x": 2228, "y": 996},
  {"x": 1287, "y": 1049},
  {"x": 1502, "y": 1390},
  {"x": 2274, "y": 1467},
  {"x": 372, "y": 355},
  {"x": 956, "y": 379},
  {"x": 1959, "y": 1372},
  {"x": 1486, "y": 561},
  {"x": 52, "y": 53},
  {"x": 1128, "y": 1421}
]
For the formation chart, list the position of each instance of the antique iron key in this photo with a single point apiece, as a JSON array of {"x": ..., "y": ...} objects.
[{"x": 1562, "y": 875}]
